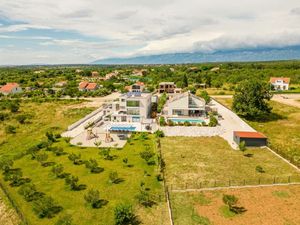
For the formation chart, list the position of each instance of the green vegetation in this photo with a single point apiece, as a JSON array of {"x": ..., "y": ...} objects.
[
  {"x": 212, "y": 162},
  {"x": 251, "y": 99}
]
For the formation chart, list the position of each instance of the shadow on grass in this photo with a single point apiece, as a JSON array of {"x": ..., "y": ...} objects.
[
  {"x": 268, "y": 117},
  {"x": 249, "y": 155},
  {"x": 100, "y": 203}
]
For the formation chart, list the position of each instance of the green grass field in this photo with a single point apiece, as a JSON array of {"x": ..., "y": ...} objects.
[
  {"x": 190, "y": 161},
  {"x": 283, "y": 131},
  {"x": 48, "y": 116}
]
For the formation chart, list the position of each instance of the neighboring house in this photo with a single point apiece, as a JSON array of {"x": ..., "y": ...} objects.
[
  {"x": 87, "y": 86},
  {"x": 178, "y": 90},
  {"x": 10, "y": 88},
  {"x": 185, "y": 105},
  {"x": 78, "y": 71},
  {"x": 111, "y": 75},
  {"x": 132, "y": 107},
  {"x": 280, "y": 83},
  {"x": 166, "y": 87},
  {"x": 250, "y": 138},
  {"x": 39, "y": 71},
  {"x": 137, "y": 87}
]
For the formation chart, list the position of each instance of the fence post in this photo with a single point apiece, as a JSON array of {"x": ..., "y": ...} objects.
[
  {"x": 229, "y": 183},
  {"x": 258, "y": 180},
  {"x": 215, "y": 183},
  {"x": 244, "y": 182},
  {"x": 289, "y": 179},
  {"x": 200, "y": 185},
  {"x": 274, "y": 181}
]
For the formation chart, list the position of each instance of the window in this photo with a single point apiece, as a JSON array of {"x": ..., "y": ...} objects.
[
  {"x": 133, "y": 111},
  {"x": 133, "y": 103}
]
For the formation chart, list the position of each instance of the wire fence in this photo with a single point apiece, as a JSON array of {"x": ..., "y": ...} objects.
[
  {"x": 14, "y": 205},
  {"x": 230, "y": 182}
]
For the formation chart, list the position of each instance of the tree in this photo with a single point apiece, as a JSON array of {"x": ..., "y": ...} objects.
[
  {"x": 41, "y": 158},
  {"x": 29, "y": 192},
  {"x": 46, "y": 207},
  {"x": 93, "y": 197},
  {"x": 205, "y": 96},
  {"x": 113, "y": 177},
  {"x": 185, "y": 82},
  {"x": 146, "y": 155},
  {"x": 124, "y": 215},
  {"x": 57, "y": 169},
  {"x": 64, "y": 220},
  {"x": 212, "y": 121},
  {"x": 6, "y": 163},
  {"x": 251, "y": 99},
  {"x": 231, "y": 201},
  {"x": 242, "y": 146}
]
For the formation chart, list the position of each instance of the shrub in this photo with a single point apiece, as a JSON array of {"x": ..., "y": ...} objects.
[
  {"x": 21, "y": 118},
  {"x": 162, "y": 121},
  {"x": 159, "y": 133},
  {"x": 46, "y": 207},
  {"x": 124, "y": 215},
  {"x": 231, "y": 202},
  {"x": 50, "y": 136},
  {"x": 64, "y": 220},
  {"x": 92, "y": 164},
  {"x": 259, "y": 169},
  {"x": 113, "y": 177},
  {"x": 93, "y": 197},
  {"x": 3, "y": 116},
  {"x": 147, "y": 155},
  {"x": 29, "y": 192},
  {"x": 72, "y": 181},
  {"x": 212, "y": 121},
  {"x": 242, "y": 146},
  {"x": 105, "y": 152},
  {"x": 144, "y": 199},
  {"x": 41, "y": 158},
  {"x": 10, "y": 129},
  {"x": 57, "y": 170}
]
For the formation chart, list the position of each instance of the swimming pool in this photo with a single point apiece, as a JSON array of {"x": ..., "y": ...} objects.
[
  {"x": 121, "y": 128},
  {"x": 182, "y": 120}
]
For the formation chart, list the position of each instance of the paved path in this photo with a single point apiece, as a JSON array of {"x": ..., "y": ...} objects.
[
  {"x": 288, "y": 99},
  {"x": 230, "y": 122}
]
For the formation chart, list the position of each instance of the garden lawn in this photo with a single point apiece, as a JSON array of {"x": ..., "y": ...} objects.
[
  {"x": 190, "y": 161},
  {"x": 267, "y": 205},
  {"x": 47, "y": 116},
  {"x": 73, "y": 201},
  {"x": 282, "y": 129}
]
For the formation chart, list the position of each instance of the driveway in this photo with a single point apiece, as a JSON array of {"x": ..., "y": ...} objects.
[{"x": 230, "y": 123}]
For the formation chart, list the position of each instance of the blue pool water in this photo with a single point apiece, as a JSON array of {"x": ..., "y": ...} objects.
[
  {"x": 182, "y": 120},
  {"x": 117, "y": 128}
]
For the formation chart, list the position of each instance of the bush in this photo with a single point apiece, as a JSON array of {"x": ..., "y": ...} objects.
[
  {"x": 64, "y": 220},
  {"x": 10, "y": 129},
  {"x": 29, "y": 192},
  {"x": 242, "y": 146},
  {"x": 231, "y": 202},
  {"x": 57, "y": 170},
  {"x": 162, "y": 121},
  {"x": 144, "y": 199},
  {"x": 212, "y": 121},
  {"x": 205, "y": 96},
  {"x": 46, "y": 207},
  {"x": 72, "y": 181},
  {"x": 124, "y": 215},
  {"x": 159, "y": 133},
  {"x": 21, "y": 118},
  {"x": 259, "y": 169},
  {"x": 93, "y": 197},
  {"x": 113, "y": 177},
  {"x": 147, "y": 155}
]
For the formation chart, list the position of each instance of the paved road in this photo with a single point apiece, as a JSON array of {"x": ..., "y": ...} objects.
[{"x": 288, "y": 99}]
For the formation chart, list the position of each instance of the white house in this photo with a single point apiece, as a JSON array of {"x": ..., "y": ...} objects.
[
  {"x": 132, "y": 107},
  {"x": 137, "y": 87},
  {"x": 10, "y": 88},
  {"x": 280, "y": 83},
  {"x": 185, "y": 105}
]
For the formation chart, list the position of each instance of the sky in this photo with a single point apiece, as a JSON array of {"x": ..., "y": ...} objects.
[{"x": 82, "y": 31}]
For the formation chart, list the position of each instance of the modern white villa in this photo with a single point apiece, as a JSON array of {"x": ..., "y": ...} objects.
[
  {"x": 185, "y": 105},
  {"x": 280, "y": 83},
  {"x": 131, "y": 107}
]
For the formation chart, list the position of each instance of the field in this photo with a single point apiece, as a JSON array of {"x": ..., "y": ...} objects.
[
  {"x": 282, "y": 129},
  {"x": 56, "y": 117},
  {"x": 212, "y": 162},
  {"x": 266, "y": 205},
  {"x": 46, "y": 116}
]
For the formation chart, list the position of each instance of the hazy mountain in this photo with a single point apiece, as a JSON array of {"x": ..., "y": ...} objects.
[{"x": 241, "y": 55}]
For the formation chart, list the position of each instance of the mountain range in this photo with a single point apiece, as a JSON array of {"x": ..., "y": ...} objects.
[{"x": 238, "y": 55}]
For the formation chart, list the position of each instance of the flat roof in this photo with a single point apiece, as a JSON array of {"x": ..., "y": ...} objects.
[{"x": 246, "y": 134}]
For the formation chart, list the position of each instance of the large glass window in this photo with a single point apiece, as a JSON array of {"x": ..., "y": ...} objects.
[
  {"x": 132, "y": 103},
  {"x": 133, "y": 111}
]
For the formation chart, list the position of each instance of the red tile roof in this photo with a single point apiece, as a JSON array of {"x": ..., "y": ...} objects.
[
  {"x": 245, "y": 134},
  {"x": 91, "y": 86},
  {"x": 83, "y": 84},
  {"x": 8, "y": 87},
  {"x": 285, "y": 79}
]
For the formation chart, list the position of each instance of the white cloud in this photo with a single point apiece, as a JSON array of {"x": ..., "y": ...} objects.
[{"x": 158, "y": 26}]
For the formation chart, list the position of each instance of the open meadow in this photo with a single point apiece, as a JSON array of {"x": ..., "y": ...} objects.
[
  {"x": 191, "y": 162},
  {"x": 282, "y": 129}
]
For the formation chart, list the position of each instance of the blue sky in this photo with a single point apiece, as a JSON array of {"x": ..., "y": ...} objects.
[{"x": 80, "y": 31}]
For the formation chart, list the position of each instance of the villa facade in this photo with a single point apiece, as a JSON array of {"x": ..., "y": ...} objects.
[
  {"x": 185, "y": 105},
  {"x": 166, "y": 87},
  {"x": 280, "y": 83},
  {"x": 131, "y": 107}
]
